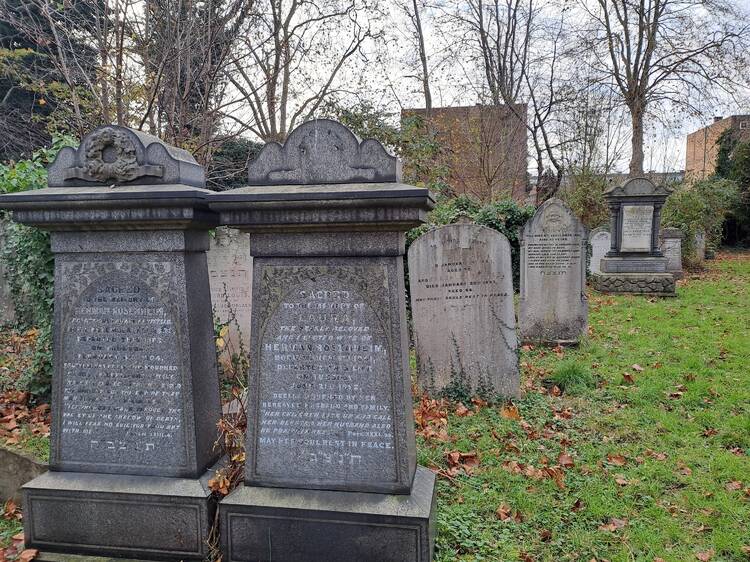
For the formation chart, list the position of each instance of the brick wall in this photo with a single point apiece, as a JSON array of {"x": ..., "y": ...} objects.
[
  {"x": 484, "y": 148},
  {"x": 702, "y": 148}
]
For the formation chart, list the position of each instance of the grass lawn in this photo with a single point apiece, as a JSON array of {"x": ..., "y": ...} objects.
[
  {"x": 647, "y": 460},
  {"x": 642, "y": 452}
]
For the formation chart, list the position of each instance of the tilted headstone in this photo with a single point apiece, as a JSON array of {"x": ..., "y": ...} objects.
[
  {"x": 230, "y": 271},
  {"x": 134, "y": 393},
  {"x": 600, "y": 242},
  {"x": 634, "y": 263},
  {"x": 553, "y": 305},
  {"x": 331, "y": 471},
  {"x": 464, "y": 322},
  {"x": 670, "y": 243}
]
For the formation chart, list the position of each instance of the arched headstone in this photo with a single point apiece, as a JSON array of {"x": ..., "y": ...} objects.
[
  {"x": 553, "y": 304},
  {"x": 600, "y": 242},
  {"x": 464, "y": 323}
]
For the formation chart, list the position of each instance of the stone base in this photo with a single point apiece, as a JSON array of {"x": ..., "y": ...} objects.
[
  {"x": 60, "y": 557},
  {"x": 141, "y": 517},
  {"x": 269, "y": 524},
  {"x": 658, "y": 284},
  {"x": 633, "y": 264}
]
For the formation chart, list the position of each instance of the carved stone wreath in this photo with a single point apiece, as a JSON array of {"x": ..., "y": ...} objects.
[
  {"x": 123, "y": 168},
  {"x": 125, "y": 165}
]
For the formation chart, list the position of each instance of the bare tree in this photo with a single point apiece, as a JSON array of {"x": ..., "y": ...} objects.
[
  {"x": 664, "y": 52},
  {"x": 287, "y": 63},
  {"x": 413, "y": 10}
]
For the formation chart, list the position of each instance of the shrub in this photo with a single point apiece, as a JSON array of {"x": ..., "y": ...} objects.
[
  {"x": 506, "y": 216},
  {"x": 30, "y": 266},
  {"x": 585, "y": 196},
  {"x": 572, "y": 377},
  {"x": 702, "y": 205}
]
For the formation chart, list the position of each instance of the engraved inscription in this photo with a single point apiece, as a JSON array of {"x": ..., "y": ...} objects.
[
  {"x": 672, "y": 250},
  {"x": 554, "y": 252},
  {"x": 636, "y": 228},
  {"x": 121, "y": 376},
  {"x": 325, "y": 409}
]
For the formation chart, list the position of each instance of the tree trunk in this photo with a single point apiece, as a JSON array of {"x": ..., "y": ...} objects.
[
  {"x": 636, "y": 158},
  {"x": 423, "y": 59}
]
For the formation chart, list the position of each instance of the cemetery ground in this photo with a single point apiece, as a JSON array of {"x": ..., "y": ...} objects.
[{"x": 634, "y": 446}]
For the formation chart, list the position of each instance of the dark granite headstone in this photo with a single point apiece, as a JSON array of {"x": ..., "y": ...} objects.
[
  {"x": 553, "y": 307},
  {"x": 330, "y": 444},
  {"x": 134, "y": 392}
]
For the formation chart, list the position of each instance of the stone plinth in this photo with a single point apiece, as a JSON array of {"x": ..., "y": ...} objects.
[
  {"x": 464, "y": 322},
  {"x": 134, "y": 393},
  {"x": 635, "y": 263},
  {"x": 329, "y": 403},
  {"x": 553, "y": 305}
]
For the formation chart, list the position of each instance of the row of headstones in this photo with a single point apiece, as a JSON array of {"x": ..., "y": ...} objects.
[{"x": 331, "y": 470}]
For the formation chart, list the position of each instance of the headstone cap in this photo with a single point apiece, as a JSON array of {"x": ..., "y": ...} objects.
[
  {"x": 116, "y": 155},
  {"x": 640, "y": 186},
  {"x": 323, "y": 151}
]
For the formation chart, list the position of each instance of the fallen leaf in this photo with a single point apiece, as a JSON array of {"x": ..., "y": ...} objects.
[
  {"x": 621, "y": 481},
  {"x": 462, "y": 411},
  {"x": 545, "y": 535},
  {"x": 628, "y": 378},
  {"x": 28, "y": 554},
  {"x": 617, "y": 460},
  {"x": 613, "y": 525},
  {"x": 708, "y": 432},
  {"x": 637, "y": 367},
  {"x": 705, "y": 556},
  {"x": 555, "y": 391},
  {"x": 510, "y": 412},
  {"x": 733, "y": 486},
  {"x": 565, "y": 460},
  {"x": 577, "y": 505}
]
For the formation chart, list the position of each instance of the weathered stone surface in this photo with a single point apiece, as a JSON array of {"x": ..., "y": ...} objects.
[
  {"x": 17, "y": 468},
  {"x": 134, "y": 391},
  {"x": 657, "y": 284},
  {"x": 119, "y": 155},
  {"x": 116, "y": 515},
  {"x": 133, "y": 335},
  {"x": 327, "y": 377},
  {"x": 671, "y": 247},
  {"x": 637, "y": 222},
  {"x": 7, "y": 310},
  {"x": 600, "y": 242},
  {"x": 461, "y": 286},
  {"x": 320, "y": 526},
  {"x": 553, "y": 304},
  {"x": 230, "y": 270},
  {"x": 322, "y": 151},
  {"x": 330, "y": 409},
  {"x": 699, "y": 246}
]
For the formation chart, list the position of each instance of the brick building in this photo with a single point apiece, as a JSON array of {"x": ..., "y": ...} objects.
[
  {"x": 702, "y": 147},
  {"x": 484, "y": 147}
]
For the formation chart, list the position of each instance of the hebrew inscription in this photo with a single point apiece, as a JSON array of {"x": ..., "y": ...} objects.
[
  {"x": 121, "y": 375},
  {"x": 324, "y": 397}
]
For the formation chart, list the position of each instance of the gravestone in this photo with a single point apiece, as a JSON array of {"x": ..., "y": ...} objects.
[
  {"x": 671, "y": 246},
  {"x": 699, "y": 246},
  {"x": 134, "y": 392},
  {"x": 331, "y": 472},
  {"x": 230, "y": 271},
  {"x": 634, "y": 263},
  {"x": 599, "y": 240},
  {"x": 553, "y": 305},
  {"x": 7, "y": 310},
  {"x": 461, "y": 286}
]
